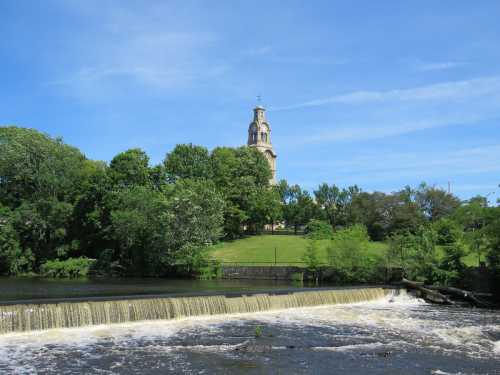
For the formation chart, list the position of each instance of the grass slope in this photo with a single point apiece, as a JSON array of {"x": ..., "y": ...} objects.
[{"x": 257, "y": 250}]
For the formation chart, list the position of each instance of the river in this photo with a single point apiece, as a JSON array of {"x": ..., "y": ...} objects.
[{"x": 391, "y": 335}]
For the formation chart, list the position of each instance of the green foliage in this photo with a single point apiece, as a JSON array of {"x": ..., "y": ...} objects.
[
  {"x": 451, "y": 267},
  {"x": 209, "y": 269},
  {"x": 188, "y": 161},
  {"x": 242, "y": 176},
  {"x": 14, "y": 260},
  {"x": 69, "y": 268},
  {"x": 318, "y": 230},
  {"x": 435, "y": 203},
  {"x": 311, "y": 256},
  {"x": 415, "y": 253},
  {"x": 57, "y": 206},
  {"x": 448, "y": 231},
  {"x": 34, "y": 166},
  {"x": 258, "y": 332},
  {"x": 335, "y": 202},
  {"x": 348, "y": 255},
  {"x": 130, "y": 168},
  {"x": 298, "y": 206}
]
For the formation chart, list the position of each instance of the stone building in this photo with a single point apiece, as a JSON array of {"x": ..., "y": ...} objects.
[{"x": 259, "y": 136}]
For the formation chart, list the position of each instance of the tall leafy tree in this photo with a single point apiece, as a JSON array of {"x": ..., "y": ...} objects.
[
  {"x": 299, "y": 207},
  {"x": 435, "y": 203},
  {"x": 240, "y": 174},
  {"x": 336, "y": 202},
  {"x": 35, "y": 166},
  {"x": 188, "y": 161},
  {"x": 130, "y": 168}
]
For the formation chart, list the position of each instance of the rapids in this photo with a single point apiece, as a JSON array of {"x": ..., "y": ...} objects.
[{"x": 394, "y": 334}]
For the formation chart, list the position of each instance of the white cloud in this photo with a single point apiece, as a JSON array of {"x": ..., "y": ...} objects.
[
  {"x": 130, "y": 47},
  {"x": 358, "y": 133},
  {"x": 456, "y": 90}
]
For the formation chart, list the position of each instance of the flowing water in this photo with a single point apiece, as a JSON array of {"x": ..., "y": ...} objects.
[
  {"x": 27, "y": 288},
  {"x": 393, "y": 334}
]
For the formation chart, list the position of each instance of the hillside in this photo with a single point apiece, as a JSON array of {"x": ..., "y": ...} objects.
[{"x": 260, "y": 250}]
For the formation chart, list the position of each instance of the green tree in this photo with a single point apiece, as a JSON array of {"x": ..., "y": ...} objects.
[
  {"x": 415, "y": 253},
  {"x": 299, "y": 207},
  {"x": 188, "y": 161},
  {"x": 195, "y": 221},
  {"x": 130, "y": 168},
  {"x": 336, "y": 202},
  {"x": 154, "y": 231},
  {"x": 318, "y": 230},
  {"x": 448, "y": 231},
  {"x": 347, "y": 254},
  {"x": 436, "y": 203},
  {"x": 264, "y": 208},
  {"x": 13, "y": 259},
  {"x": 311, "y": 259},
  {"x": 240, "y": 174},
  {"x": 34, "y": 166}
]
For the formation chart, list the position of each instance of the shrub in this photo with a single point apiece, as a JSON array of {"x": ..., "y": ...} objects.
[
  {"x": 72, "y": 267},
  {"x": 318, "y": 230},
  {"x": 258, "y": 332},
  {"x": 211, "y": 269},
  {"x": 347, "y": 254}
]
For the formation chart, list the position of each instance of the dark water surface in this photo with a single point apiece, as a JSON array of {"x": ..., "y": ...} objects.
[
  {"x": 27, "y": 288},
  {"x": 405, "y": 336}
]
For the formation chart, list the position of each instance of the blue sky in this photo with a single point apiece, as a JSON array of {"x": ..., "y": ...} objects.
[{"x": 376, "y": 93}]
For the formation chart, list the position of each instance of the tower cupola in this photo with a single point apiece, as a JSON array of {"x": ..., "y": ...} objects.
[{"x": 259, "y": 136}]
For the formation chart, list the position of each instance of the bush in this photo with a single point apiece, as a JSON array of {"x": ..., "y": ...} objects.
[
  {"x": 347, "y": 254},
  {"x": 318, "y": 230},
  {"x": 211, "y": 269},
  {"x": 70, "y": 268}
]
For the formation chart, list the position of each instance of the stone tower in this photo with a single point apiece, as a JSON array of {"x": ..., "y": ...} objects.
[{"x": 259, "y": 136}]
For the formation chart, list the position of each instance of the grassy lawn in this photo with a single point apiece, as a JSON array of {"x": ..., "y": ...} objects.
[
  {"x": 260, "y": 250},
  {"x": 470, "y": 259},
  {"x": 256, "y": 250}
]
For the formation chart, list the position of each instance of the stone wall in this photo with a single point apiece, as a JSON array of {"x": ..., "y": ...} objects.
[
  {"x": 294, "y": 273},
  {"x": 260, "y": 272}
]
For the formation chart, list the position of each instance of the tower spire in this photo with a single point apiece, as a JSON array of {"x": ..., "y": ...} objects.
[{"x": 259, "y": 136}]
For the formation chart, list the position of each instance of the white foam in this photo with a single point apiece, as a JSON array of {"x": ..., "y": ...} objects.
[
  {"x": 398, "y": 318},
  {"x": 353, "y": 347},
  {"x": 496, "y": 347}
]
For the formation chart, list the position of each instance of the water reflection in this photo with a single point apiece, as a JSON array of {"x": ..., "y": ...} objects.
[{"x": 20, "y": 288}]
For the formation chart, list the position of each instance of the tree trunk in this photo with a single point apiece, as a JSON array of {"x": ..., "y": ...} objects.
[
  {"x": 462, "y": 294},
  {"x": 427, "y": 294}
]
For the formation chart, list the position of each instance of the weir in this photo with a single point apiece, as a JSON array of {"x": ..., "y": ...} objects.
[{"x": 42, "y": 316}]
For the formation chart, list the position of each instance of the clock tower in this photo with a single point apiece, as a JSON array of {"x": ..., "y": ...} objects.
[{"x": 259, "y": 136}]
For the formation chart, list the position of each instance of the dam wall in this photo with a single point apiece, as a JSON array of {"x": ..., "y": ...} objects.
[{"x": 42, "y": 316}]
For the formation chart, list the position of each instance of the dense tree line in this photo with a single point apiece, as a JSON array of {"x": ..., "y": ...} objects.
[
  {"x": 135, "y": 218},
  {"x": 132, "y": 218}
]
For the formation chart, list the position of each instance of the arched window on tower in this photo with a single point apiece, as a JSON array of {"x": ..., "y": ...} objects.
[
  {"x": 255, "y": 135},
  {"x": 263, "y": 136}
]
